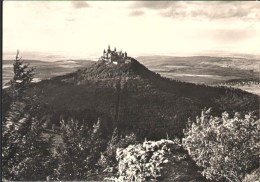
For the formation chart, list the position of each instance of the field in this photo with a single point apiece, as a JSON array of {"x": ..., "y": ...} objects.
[
  {"x": 237, "y": 72},
  {"x": 45, "y": 69}
]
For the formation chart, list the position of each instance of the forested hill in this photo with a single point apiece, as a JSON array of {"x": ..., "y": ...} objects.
[{"x": 133, "y": 98}]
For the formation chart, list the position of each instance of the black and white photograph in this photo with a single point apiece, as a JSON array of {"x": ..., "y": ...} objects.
[{"x": 130, "y": 91}]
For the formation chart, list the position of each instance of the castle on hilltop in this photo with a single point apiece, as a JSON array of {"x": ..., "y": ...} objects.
[{"x": 115, "y": 57}]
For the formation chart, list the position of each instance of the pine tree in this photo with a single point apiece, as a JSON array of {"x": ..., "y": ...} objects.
[
  {"x": 79, "y": 152},
  {"x": 73, "y": 152},
  {"x": 108, "y": 159},
  {"x": 26, "y": 155},
  {"x": 23, "y": 76}
]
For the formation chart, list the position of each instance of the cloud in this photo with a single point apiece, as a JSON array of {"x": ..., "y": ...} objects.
[
  {"x": 208, "y": 10},
  {"x": 136, "y": 13},
  {"x": 226, "y": 10},
  {"x": 152, "y": 4},
  {"x": 80, "y": 4}
]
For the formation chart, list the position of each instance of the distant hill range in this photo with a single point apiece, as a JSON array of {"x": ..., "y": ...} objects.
[{"x": 203, "y": 69}]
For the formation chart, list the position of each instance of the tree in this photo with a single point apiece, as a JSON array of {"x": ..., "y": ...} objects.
[
  {"x": 108, "y": 158},
  {"x": 26, "y": 155},
  {"x": 23, "y": 75},
  {"x": 79, "y": 150},
  {"x": 226, "y": 147}
]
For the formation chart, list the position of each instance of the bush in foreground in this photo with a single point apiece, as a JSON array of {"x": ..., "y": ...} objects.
[
  {"x": 227, "y": 148},
  {"x": 150, "y": 160},
  {"x": 254, "y": 176}
]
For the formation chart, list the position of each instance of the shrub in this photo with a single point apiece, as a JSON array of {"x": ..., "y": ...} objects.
[
  {"x": 253, "y": 177},
  {"x": 147, "y": 161},
  {"x": 225, "y": 147}
]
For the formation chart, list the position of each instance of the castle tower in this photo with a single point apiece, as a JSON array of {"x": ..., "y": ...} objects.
[
  {"x": 115, "y": 49},
  {"x": 125, "y": 55},
  {"x": 104, "y": 53},
  {"x": 108, "y": 50}
]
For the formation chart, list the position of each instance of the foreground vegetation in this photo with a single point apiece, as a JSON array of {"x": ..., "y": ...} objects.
[{"x": 226, "y": 147}]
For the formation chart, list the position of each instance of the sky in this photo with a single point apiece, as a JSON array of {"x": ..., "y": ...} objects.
[{"x": 85, "y": 28}]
